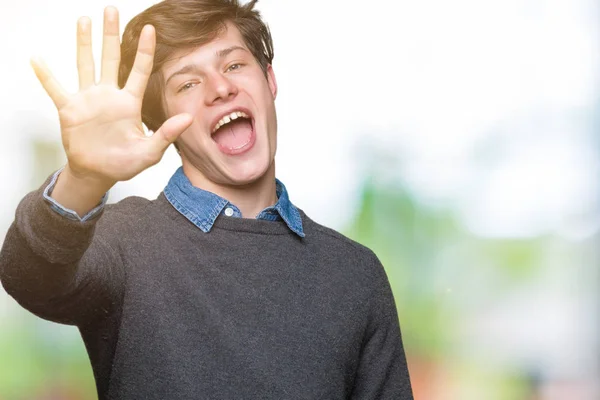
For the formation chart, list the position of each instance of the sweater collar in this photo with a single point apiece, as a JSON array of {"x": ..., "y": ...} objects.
[{"x": 202, "y": 207}]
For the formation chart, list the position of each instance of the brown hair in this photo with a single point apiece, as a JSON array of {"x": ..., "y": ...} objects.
[{"x": 187, "y": 24}]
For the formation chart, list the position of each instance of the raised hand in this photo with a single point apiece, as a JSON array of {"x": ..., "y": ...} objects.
[{"x": 101, "y": 124}]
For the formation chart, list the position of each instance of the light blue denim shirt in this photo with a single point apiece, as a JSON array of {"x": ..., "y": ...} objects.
[
  {"x": 199, "y": 206},
  {"x": 202, "y": 207}
]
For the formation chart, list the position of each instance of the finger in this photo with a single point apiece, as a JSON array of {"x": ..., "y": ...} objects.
[
  {"x": 142, "y": 65},
  {"x": 168, "y": 133},
  {"x": 56, "y": 92},
  {"x": 85, "y": 58},
  {"x": 111, "y": 49}
]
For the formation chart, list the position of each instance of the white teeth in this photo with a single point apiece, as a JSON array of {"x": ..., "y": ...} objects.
[{"x": 228, "y": 118}]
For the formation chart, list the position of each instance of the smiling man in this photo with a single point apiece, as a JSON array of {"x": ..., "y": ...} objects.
[{"x": 221, "y": 288}]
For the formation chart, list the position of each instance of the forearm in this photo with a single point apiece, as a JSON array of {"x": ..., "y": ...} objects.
[
  {"x": 41, "y": 249},
  {"x": 51, "y": 264}
]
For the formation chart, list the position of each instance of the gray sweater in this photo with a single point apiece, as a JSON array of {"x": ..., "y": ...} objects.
[{"x": 247, "y": 311}]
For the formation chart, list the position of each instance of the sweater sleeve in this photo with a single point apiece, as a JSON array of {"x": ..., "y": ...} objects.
[
  {"x": 382, "y": 371},
  {"x": 60, "y": 269}
]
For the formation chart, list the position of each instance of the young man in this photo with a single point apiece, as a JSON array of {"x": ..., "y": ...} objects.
[{"x": 220, "y": 288}]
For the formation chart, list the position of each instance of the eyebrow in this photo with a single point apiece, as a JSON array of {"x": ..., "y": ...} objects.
[{"x": 192, "y": 68}]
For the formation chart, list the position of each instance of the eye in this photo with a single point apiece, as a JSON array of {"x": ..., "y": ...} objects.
[
  {"x": 185, "y": 87},
  {"x": 233, "y": 67}
]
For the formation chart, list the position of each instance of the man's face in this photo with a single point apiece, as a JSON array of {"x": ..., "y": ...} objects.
[{"x": 210, "y": 83}]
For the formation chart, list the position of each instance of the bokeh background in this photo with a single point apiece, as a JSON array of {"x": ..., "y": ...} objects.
[{"x": 459, "y": 140}]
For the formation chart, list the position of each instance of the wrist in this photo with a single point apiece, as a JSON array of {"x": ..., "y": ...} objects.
[
  {"x": 79, "y": 193},
  {"x": 86, "y": 183}
]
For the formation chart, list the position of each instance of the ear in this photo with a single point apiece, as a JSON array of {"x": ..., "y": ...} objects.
[{"x": 272, "y": 81}]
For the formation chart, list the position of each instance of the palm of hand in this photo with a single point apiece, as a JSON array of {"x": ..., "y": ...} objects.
[{"x": 101, "y": 125}]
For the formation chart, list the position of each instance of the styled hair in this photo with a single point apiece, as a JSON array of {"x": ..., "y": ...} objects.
[{"x": 185, "y": 25}]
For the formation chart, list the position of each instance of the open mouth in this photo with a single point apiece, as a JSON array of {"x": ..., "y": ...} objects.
[{"x": 234, "y": 133}]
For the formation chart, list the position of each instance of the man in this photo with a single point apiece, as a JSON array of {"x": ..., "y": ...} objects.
[{"x": 220, "y": 288}]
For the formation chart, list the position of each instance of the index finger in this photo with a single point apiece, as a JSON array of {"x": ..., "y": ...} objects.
[{"x": 142, "y": 65}]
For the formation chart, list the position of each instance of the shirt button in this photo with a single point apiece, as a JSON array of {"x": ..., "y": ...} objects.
[{"x": 229, "y": 211}]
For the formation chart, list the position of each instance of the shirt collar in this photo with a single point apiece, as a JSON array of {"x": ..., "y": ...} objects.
[{"x": 202, "y": 207}]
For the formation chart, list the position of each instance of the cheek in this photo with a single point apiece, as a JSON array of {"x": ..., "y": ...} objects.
[
  {"x": 187, "y": 103},
  {"x": 195, "y": 136},
  {"x": 266, "y": 102}
]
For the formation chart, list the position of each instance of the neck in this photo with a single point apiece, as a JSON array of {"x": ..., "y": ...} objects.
[{"x": 251, "y": 198}]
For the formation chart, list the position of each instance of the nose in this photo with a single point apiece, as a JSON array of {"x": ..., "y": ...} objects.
[{"x": 220, "y": 89}]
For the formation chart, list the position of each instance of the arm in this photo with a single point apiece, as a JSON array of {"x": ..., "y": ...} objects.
[
  {"x": 382, "y": 372},
  {"x": 67, "y": 269}
]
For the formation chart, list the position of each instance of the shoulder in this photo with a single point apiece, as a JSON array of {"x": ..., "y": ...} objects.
[
  {"x": 356, "y": 270},
  {"x": 337, "y": 245}
]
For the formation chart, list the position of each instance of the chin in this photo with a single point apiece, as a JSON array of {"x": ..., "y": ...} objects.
[{"x": 248, "y": 172}]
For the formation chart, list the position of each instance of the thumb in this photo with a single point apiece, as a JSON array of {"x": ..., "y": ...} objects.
[{"x": 170, "y": 131}]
